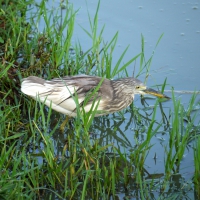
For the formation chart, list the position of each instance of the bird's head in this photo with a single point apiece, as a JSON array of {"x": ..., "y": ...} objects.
[{"x": 135, "y": 86}]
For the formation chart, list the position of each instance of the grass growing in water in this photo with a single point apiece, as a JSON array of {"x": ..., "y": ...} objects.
[
  {"x": 37, "y": 161},
  {"x": 197, "y": 168}
]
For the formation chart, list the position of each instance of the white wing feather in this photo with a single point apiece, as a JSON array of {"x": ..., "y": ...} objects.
[{"x": 58, "y": 95}]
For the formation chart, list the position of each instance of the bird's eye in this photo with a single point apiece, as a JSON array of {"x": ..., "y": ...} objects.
[{"x": 137, "y": 87}]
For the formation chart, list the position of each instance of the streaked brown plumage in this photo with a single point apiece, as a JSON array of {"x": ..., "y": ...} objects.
[{"x": 113, "y": 95}]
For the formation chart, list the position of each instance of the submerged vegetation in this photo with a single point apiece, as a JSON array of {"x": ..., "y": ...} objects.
[{"x": 88, "y": 158}]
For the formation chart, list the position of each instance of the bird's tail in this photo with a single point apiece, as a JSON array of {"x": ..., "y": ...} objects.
[{"x": 32, "y": 86}]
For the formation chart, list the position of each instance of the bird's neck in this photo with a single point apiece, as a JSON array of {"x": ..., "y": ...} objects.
[
  {"x": 122, "y": 93},
  {"x": 120, "y": 89}
]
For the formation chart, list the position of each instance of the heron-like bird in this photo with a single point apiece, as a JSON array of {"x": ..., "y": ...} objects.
[{"x": 111, "y": 96}]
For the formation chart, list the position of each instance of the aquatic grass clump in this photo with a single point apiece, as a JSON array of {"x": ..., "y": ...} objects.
[
  {"x": 13, "y": 154},
  {"x": 182, "y": 122},
  {"x": 197, "y": 167}
]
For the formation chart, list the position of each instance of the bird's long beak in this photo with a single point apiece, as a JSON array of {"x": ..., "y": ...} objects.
[{"x": 155, "y": 93}]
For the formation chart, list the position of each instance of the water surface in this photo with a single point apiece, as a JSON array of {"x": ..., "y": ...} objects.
[{"x": 177, "y": 56}]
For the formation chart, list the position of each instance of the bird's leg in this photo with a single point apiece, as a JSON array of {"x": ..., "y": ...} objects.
[{"x": 62, "y": 126}]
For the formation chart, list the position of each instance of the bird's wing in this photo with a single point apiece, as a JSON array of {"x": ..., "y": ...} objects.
[
  {"x": 84, "y": 86},
  {"x": 59, "y": 92}
]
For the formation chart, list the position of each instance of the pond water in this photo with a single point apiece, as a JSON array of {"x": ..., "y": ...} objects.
[{"x": 177, "y": 58}]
